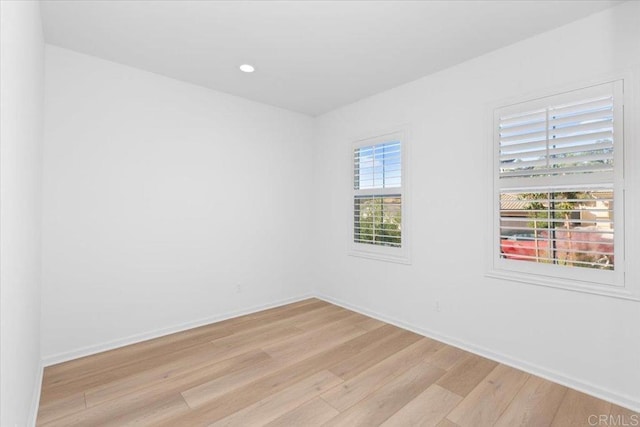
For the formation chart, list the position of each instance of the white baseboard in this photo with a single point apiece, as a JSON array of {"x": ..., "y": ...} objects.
[
  {"x": 548, "y": 374},
  {"x": 136, "y": 338},
  {"x": 35, "y": 399},
  {"x": 551, "y": 375}
]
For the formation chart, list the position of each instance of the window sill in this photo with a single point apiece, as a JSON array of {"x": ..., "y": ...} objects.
[
  {"x": 569, "y": 285},
  {"x": 381, "y": 257}
]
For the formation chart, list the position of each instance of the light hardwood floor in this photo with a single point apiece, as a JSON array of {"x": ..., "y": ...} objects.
[{"x": 305, "y": 364}]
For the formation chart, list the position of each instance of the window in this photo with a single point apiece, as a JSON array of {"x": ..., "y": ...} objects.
[
  {"x": 558, "y": 179},
  {"x": 379, "y": 214}
]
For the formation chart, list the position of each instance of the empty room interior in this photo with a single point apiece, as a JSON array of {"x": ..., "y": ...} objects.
[{"x": 320, "y": 213}]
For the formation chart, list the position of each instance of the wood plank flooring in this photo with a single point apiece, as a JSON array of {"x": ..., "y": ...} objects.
[{"x": 305, "y": 364}]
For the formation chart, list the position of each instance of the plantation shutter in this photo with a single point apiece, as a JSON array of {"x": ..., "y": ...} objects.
[
  {"x": 560, "y": 139},
  {"x": 556, "y": 178},
  {"x": 377, "y": 199},
  {"x": 378, "y": 166}
]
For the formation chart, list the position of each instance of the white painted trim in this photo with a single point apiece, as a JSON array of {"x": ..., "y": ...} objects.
[
  {"x": 568, "y": 285},
  {"x": 548, "y": 374},
  {"x": 134, "y": 339},
  {"x": 35, "y": 400}
]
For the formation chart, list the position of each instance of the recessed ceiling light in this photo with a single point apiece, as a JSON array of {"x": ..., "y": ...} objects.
[{"x": 247, "y": 68}]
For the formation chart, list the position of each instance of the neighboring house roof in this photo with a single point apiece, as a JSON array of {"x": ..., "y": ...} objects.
[
  {"x": 512, "y": 206},
  {"x": 511, "y": 202}
]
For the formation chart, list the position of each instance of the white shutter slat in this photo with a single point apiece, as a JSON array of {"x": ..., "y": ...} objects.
[
  {"x": 563, "y": 141},
  {"x": 578, "y": 163},
  {"x": 559, "y": 171},
  {"x": 523, "y": 138},
  {"x": 377, "y": 153},
  {"x": 584, "y": 117},
  {"x": 579, "y": 129},
  {"x": 588, "y": 105},
  {"x": 581, "y": 145},
  {"x": 526, "y": 165},
  {"x": 525, "y": 129},
  {"x": 579, "y": 159},
  {"x": 524, "y": 118},
  {"x": 588, "y": 147},
  {"x": 527, "y": 220},
  {"x": 604, "y": 238}
]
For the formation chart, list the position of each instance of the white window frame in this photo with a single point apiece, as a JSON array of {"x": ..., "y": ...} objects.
[
  {"x": 378, "y": 252},
  {"x": 579, "y": 279}
]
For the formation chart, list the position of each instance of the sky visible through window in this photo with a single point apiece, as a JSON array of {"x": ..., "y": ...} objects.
[{"x": 378, "y": 166}]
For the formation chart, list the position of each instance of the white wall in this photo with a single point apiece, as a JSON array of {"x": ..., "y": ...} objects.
[
  {"x": 159, "y": 198},
  {"x": 21, "y": 92},
  {"x": 588, "y": 341}
]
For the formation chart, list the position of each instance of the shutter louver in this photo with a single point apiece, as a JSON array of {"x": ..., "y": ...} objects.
[
  {"x": 378, "y": 220},
  {"x": 560, "y": 140},
  {"x": 377, "y": 201},
  {"x": 378, "y": 166},
  {"x": 556, "y": 180}
]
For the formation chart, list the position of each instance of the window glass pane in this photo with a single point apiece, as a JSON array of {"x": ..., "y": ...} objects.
[
  {"x": 573, "y": 227},
  {"x": 378, "y": 220},
  {"x": 378, "y": 166}
]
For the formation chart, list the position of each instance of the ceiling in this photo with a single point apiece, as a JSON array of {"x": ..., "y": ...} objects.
[{"x": 310, "y": 56}]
